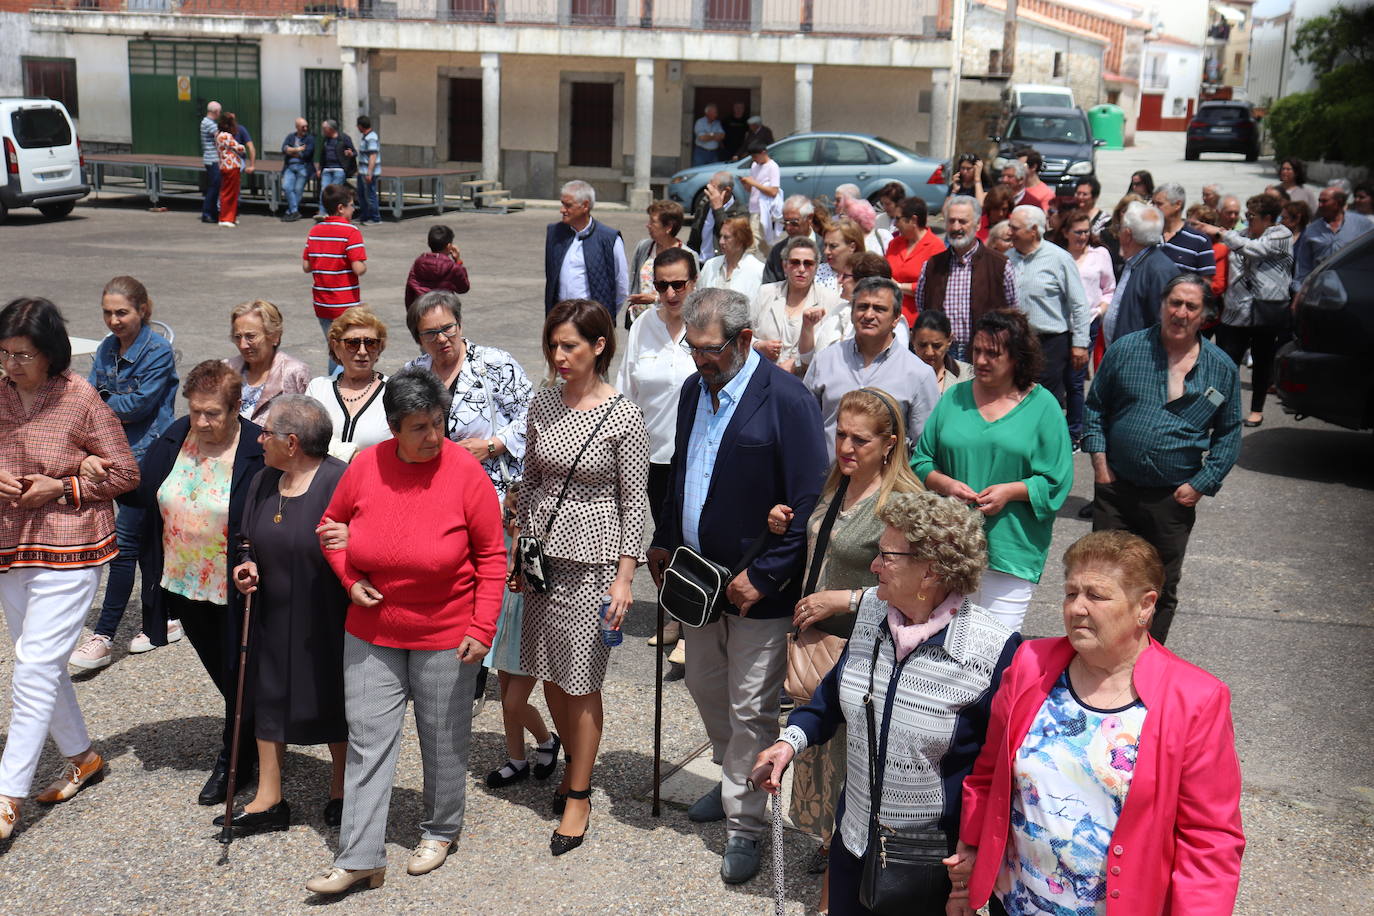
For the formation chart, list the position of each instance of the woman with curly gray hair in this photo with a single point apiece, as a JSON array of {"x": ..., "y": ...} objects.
[{"x": 914, "y": 689}]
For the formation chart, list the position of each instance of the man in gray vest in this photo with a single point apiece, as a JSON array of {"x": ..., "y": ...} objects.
[{"x": 583, "y": 259}]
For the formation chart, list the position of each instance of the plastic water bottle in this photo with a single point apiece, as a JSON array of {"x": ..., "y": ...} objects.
[{"x": 610, "y": 636}]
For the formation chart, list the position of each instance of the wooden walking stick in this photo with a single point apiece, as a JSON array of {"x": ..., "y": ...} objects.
[
  {"x": 226, "y": 834},
  {"x": 658, "y": 713}
]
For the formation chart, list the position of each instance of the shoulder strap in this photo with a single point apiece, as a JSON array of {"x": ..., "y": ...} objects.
[
  {"x": 875, "y": 777},
  {"x": 823, "y": 537},
  {"x": 610, "y": 408}
]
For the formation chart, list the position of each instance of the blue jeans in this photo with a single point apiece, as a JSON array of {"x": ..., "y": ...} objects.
[
  {"x": 120, "y": 584},
  {"x": 369, "y": 210},
  {"x": 293, "y": 179},
  {"x": 1074, "y": 380},
  {"x": 210, "y": 208},
  {"x": 704, "y": 156},
  {"x": 328, "y": 177},
  {"x": 325, "y": 324}
]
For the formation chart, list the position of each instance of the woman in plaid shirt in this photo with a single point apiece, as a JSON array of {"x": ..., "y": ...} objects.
[{"x": 56, "y": 531}]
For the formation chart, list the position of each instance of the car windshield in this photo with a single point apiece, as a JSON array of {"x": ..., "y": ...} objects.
[
  {"x": 39, "y": 128},
  {"x": 1222, "y": 114},
  {"x": 1048, "y": 128},
  {"x": 1045, "y": 100}
]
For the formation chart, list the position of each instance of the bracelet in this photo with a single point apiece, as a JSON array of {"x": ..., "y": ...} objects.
[{"x": 855, "y": 596}]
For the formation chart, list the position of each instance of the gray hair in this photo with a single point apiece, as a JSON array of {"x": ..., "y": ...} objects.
[
  {"x": 870, "y": 284},
  {"x": 801, "y": 203},
  {"x": 999, "y": 230},
  {"x": 1017, "y": 166},
  {"x": 799, "y": 241},
  {"x": 1215, "y": 189},
  {"x": 1204, "y": 286},
  {"x": 723, "y": 179},
  {"x": 942, "y": 531},
  {"x": 414, "y": 390},
  {"x": 849, "y": 189},
  {"x": 579, "y": 191},
  {"x": 1145, "y": 222},
  {"x": 1034, "y": 216},
  {"x": 964, "y": 200},
  {"x": 306, "y": 419},
  {"x": 1173, "y": 192},
  {"x": 331, "y": 124},
  {"x": 1340, "y": 184},
  {"x": 703, "y": 308},
  {"x": 434, "y": 299}
]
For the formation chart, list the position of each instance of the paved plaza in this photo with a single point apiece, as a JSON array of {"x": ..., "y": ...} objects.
[{"x": 1275, "y": 600}]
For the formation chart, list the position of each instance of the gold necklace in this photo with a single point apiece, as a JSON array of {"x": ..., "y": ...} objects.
[{"x": 281, "y": 504}]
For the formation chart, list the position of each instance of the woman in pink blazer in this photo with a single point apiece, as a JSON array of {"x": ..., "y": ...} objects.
[{"x": 1109, "y": 774}]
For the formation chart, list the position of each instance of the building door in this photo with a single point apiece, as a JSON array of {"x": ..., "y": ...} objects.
[
  {"x": 323, "y": 99},
  {"x": 593, "y": 115},
  {"x": 1151, "y": 111},
  {"x": 724, "y": 98},
  {"x": 465, "y": 120},
  {"x": 171, "y": 82}
]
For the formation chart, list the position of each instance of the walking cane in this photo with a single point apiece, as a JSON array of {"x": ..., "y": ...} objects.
[
  {"x": 226, "y": 834},
  {"x": 658, "y": 711}
]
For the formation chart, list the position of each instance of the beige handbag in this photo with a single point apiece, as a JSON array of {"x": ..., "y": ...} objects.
[{"x": 811, "y": 653}]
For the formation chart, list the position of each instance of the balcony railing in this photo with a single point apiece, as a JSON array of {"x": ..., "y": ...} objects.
[{"x": 876, "y": 18}]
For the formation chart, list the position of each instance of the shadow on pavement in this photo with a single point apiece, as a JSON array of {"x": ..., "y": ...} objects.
[{"x": 1319, "y": 454}]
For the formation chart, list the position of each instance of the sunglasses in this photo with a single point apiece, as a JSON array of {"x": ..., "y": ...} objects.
[
  {"x": 353, "y": 344},
  {"x": 800, "y": 262},
  {"x": 677, "y": 285}
]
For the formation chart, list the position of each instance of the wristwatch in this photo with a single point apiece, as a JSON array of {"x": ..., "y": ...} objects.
[{"x": 491, "y": 448}]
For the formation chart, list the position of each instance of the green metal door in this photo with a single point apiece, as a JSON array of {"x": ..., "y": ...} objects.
[
  {"x": 324, "y": 99},
  {"x": 164, "y": 120}
]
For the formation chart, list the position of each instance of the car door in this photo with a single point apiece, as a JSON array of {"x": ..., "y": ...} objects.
[
  {"x": 797, "y": 164},
  {"x": 844, "y": 160}
]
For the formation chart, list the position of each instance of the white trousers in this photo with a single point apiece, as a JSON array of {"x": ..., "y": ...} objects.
[
  {"x": 44, "y": 609},
  {"x": 1005, "y": 597}
]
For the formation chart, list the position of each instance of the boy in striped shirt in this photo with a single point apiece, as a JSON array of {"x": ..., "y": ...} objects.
[{"x": 335, "y": 257}]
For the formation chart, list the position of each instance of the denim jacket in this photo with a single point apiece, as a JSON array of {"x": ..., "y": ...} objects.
[{"x": 140, "y": 386}]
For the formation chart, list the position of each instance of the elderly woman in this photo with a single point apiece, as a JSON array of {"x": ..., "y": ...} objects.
[
  {"x": 353, "y": 398},
  {"x": 1296, "y": 216},
  {"x": 266, "y": 370},
  {"x": 296, "y": 645},
  {"x": 665, "y": 222},
  {"x": 999, "y": 237},
  {"x": 735, "y": 267},
  {"x": 134, "y": 370},
  {"x": 850, "y": 205},
  {"x": 930, "y": 340},
  {"x": 423, "y": 568},
  {"x": 1001, "y": 445},
  {"x": 842, "y": 539},
  {"x": 1137, "y": 806},
  {"x": 1257, "y": 298},
  {"x": 781, "y": 308},
  {"x": 911, "y": 247},
  {"x": 913, "y": 690},
  {"x": 584, "y": 497},
  {"x": 56, "y": 531},
  {"x": 194, "y": 486}
]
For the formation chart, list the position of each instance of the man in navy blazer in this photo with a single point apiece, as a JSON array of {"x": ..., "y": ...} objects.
[
  {"x": 1143, "y": 277},
  {"x": 749, "y": 436},
  {"x": 583, "y": 259}
]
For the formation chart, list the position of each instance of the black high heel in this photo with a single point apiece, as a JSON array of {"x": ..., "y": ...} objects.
[{"x": 560, "y": 843}]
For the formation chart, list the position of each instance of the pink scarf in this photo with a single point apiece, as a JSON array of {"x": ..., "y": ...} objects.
[{"x": 906, "y": 636}]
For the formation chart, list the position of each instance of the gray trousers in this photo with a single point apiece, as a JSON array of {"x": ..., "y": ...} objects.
[{"x": 377, "y": 683}]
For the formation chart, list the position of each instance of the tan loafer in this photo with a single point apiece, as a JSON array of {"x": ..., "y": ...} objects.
[
  {"x": 672, "y": 632},
  {"x": 429, "y": 855},
  {"x": 9, "y": 816},
  {"x": 679, "y": 654},
  {"x": 338, "y": 880},
  {"x": 73, "y": 779}
]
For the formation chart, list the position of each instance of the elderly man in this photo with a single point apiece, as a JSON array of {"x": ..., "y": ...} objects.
[
  {"x": 707, "y": 134},
  {"x": 209, "y": 157},
  {"x": 736, "y": 126},
  {"x": 1145, "y": 273},
  {"x": 1332, "y": 228},
  {"x": 797, "y": 222},
  {"x": 1162, "y": 426},
  {"x": 966, "y": 279},
  {"x": 583, "y": 259},
  {"x": 297, "y": 154},
  {"x": 1014, "y": 173},
  {"x": 716, "y": 205},
  {"x": 756, "y": 132},
  {"x": 760, "y": 428},
  {"x": 1188, "y": 248},
  {"x": 1050, "y": 292},
  {"x": 872, "y": 358},
  {"x": 1230, "y": 212}
]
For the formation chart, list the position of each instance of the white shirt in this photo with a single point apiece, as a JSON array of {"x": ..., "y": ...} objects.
[
  {"x": 770, "y": 320},
  {"x": 652, "y": 375},
  {"x": 878, "y": 240},
  {"x": 572, "y": 273},
  {"x": 747, "y": 277},
  {"x": 768, "y": 175},
  {"x": 364, "y": 430}
]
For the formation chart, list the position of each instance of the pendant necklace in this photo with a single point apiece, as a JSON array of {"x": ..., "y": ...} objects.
[{"x": 281, "y": 504}]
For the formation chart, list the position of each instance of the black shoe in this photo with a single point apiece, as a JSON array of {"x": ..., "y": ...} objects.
[
  {"x": 543, "y": 771},
  {"x": 290, "y": 217},
  {"x": 217, "y": 785},
  {"x": 277, "y": 817},
  {"x": 333, "y": 812},
  {"x": 208, "y": 219},
  {"x": 1086, "y": 511},
  {"x": 508, "y": 775},
  {"x": 560, "y": 843}
]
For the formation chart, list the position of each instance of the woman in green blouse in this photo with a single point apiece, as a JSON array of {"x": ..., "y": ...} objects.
[{"x": 1002, "y": 446}]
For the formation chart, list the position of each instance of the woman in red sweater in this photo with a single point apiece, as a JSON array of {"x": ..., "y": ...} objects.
[{"x": 424, "y": 566}]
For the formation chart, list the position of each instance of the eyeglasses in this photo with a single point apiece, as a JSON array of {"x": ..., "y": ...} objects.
[
  {"x": 353, "y": 344},
  {"x": 251, "y": 340},
  {"x": 791, "y": 222},
  {"x": 886, "y": 556},
  {"x": 1079, "y": 231},
  {"x": 707, "y": 351},
  {"x": 273, "y": 432},
  {"x": 21, "y": 358},
  {"x": 448, "y": 331},
  {"x": 843, "y": 277},
  {"x": 800, "y": 262},
  {"x": 677, "y": 285}
]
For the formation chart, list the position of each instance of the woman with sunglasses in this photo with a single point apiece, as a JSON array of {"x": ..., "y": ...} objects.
[{"x": 353, "y": 398}]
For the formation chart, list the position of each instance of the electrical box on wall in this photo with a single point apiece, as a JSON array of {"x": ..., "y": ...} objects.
[{"x": 674, "y": 70}]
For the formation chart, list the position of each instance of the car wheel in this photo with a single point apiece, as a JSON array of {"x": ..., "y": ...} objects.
[
  {"x": 1190, "y": 152},
  {"x": 4, "y": 212},
  {"x": 57, "y": 211}
]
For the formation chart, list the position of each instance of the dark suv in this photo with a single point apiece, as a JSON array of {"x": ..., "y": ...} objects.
[
  {"x": 1063, "y": 139},
  {"x": 1223, "y": 127},
  {"x": 1327, "y": 371}
]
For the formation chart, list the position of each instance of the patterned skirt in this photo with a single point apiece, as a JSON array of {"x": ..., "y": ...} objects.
[
  {"x": 560, "y": 639},
  {"x": 817, "y": 781}
]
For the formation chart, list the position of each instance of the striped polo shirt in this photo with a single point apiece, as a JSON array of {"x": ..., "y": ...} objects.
[{"x": 329, "y": 248}]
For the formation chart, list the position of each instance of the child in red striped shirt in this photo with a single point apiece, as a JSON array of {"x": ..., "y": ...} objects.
[{"x": 335, "y": 257}]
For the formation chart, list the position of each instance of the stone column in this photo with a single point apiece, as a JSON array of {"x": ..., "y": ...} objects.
[
  {"x": 491, "y": 117},
  {"x": 641, "y": 195},
  {"x": 941, "y": 118},
  {"x": 348, "y": 91},
  {"x": 802, "y": 117}
]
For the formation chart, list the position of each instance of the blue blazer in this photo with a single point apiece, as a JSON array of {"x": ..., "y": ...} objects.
[
  {"x": 772, "y": 452},
  {"x": 1143, "y": 296}
]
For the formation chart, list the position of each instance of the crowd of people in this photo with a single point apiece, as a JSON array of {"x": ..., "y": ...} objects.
[{"x": 868, "y": 427}]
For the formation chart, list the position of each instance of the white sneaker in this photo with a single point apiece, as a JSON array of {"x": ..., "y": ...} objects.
[
  {"x": 92, "y": 654},
  {"x": 141, "y": 643}
]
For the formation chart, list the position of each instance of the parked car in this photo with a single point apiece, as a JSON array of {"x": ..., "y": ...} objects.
[
  {"x": 1064, "y": 140},
  {"x": 1036, "y": 95},
  {"x": 1223, "y": 127},
  {"x": 43, "y": 163},
  {"x": 1327, "y": 370},
  {"x": 814, "y": 164}
]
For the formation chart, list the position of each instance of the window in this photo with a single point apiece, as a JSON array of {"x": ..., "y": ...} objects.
[
  {"x": 593, "y": 12},
  {"x": 1238, "y": 65},
  {"x": 1058, "y": 64},
  {"x": 1049, "y": 128},
  {"x": 794, "y": 152},
  {"x": 727, "y": 14},
  {"x": 995, "y": 60},
  {"x": 472, "y": 10},
  {"x": 593, "y": 113},
  {"x": 842, "y": 151},
  {"x": 52, "y": 78},
  {"x": 40, "y": 128}
]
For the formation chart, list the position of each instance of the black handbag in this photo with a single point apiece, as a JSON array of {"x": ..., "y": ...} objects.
[
  {"x": 902, "y": 875},
  {"x": 693, "y": 589},
  {"x": 529, "y": 548}
]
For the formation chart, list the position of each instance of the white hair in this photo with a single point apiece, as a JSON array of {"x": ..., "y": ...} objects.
[
  {"x": 1173, "y": 192},
  {"x": 1340, "y": 184},
  {"x": 847, "y": 190},
  {"x": 1215, "y": 189},
  {"x": 1146, "y": 223},
  {"x": 999, "y": 230},
  {"x": 723, "y": 180},
  {"x": 1034, "y": 216},
  {"x": 1017, "y": 166},
  {"x": 801, "y": 203},
  {"x": 579, "y": 191},
  {"x": 964, "y": 200}
]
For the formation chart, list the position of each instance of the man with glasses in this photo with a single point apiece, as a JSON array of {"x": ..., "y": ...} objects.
[
  {"x": 798, "y": 222},
  {"x": 335, "y": 258},
  {"x": 761, "y": 430},
  {"x": 966, "y": 279}
]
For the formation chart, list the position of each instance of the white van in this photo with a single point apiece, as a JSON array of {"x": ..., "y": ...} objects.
[
  {"x": 42, "y": 158},
  {"x": 1035, "y": 95}
]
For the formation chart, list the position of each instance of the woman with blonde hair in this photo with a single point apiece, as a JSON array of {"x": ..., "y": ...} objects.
[
  {"x": 735, "y": 267},
  {"x": 353, "y": 398},
  {"x": 265, "y": 369},
  {"x": 843, "y": 240}
]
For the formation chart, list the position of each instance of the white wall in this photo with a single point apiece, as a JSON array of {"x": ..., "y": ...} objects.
[
  {"x": 1183, "y": 69},
  {"x": 281, "y": 62},
  {"x": 1186, "y": 19}
]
